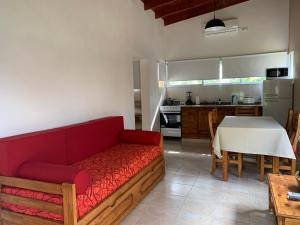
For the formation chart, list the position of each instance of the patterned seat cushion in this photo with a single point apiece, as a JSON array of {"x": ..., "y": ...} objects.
[{"x": 109, "y": 171}]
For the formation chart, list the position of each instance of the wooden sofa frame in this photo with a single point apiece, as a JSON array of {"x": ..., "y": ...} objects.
[{"x": 111, "y": 211}]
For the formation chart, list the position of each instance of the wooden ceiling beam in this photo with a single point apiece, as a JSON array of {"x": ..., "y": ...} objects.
[
  {"x": 199, "y": 10},
  {"x": 179, "y": 6},
  {"x": 152, "y": 4}
]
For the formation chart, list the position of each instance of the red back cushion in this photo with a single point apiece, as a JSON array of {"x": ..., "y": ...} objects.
[
  {"x": 54, "y": 173},
  {"x": 95, "y": 136},
  {"x": 140, "y": 137},
  {"x": 46, "y": 146}
]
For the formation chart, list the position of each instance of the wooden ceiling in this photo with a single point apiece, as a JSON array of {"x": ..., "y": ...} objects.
[{"x": 173, "y": 11}]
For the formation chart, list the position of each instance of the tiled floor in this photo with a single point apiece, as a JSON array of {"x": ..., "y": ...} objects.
[{"x": 189, "y": 195}]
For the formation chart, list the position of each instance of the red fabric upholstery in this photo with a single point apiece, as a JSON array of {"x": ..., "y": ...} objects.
[
  {"x": 65, "y": 145},
  {"x": 109, "y": 170},
  {"x": 54, "y": 173},
  {"x": 140, "y": 137},
  {"x": 46, "y": 146},
  {"x": 90, "y": 138}
]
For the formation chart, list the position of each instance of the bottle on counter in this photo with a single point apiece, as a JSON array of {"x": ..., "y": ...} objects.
[{"x": 197, "y": 100}]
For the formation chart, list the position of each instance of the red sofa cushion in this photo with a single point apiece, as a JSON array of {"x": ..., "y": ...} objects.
[
  {"x": 45, "y": 146},
  {"x": 140, "y": 137},
  {"x": 54, "y": 173},
  {"x": 95, "y": 136},
  {"x": 109, "y": 171}
]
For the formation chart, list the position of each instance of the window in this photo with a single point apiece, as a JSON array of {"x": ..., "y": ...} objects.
[
  {"x": 252, "y": 80},
  {"x": 246, "y": 80},
  {"x": 232, "y": 81},
  {"x": 222, "y": 81},
  {"x": 184, "y": 83}
]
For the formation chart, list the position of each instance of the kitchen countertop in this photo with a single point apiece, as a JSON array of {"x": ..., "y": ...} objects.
[{"x": 220, "y": 105}]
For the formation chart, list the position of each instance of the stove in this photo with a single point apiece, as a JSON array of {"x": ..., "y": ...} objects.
[
  {"x": 170, "y": 120},
  {"x": 170, "y": 108}
]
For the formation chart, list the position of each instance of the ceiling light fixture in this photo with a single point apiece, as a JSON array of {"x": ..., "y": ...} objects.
[{"x": 214, "y": 24}]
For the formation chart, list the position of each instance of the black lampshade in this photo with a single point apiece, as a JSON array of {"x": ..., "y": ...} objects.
[{"x": 215, "y": 25}]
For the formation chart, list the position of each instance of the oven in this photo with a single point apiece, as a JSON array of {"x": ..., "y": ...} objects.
[{"x": 170, "y": 121}]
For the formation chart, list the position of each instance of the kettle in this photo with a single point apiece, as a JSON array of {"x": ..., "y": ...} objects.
[{"x": 234, "y": 99}]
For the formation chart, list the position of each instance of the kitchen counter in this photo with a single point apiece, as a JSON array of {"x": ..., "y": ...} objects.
[
  {"x": 220, "y": 105},
  {"x": 194, "y": 118}
]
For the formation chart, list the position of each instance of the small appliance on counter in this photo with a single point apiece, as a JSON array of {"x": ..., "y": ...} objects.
[
  {"x": 197, "y": 100},
  {"x": 248, "y": 100},
  {"x": 234, "y": 99},
  {"x": 189, "y": 98},
  {"x": 277, "y": 73}
]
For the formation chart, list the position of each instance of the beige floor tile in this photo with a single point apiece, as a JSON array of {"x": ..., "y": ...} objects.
[
  {"x": 182, "y": 179},
  {"x": 189, "y": 195}
]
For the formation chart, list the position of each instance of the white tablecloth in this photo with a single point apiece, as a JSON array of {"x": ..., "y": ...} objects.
[{"x": 252, "y": 135}]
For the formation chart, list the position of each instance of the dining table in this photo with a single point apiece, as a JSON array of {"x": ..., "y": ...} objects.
[{"x": 251, "y": 135}]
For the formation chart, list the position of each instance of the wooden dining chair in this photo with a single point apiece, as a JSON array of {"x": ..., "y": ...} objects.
[
  {"x": 278, "y": 164},
  {"x": 227, "y": 157},
  {"x": 247, "y": 111},
  {"x": 289, "y": 122},
  {"x": 289, "y": 129}
]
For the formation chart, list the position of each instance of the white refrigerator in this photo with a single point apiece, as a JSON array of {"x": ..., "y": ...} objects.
[{"x": 278, "y": 98}]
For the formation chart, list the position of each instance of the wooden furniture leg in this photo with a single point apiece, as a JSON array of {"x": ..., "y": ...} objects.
[
  {"x": 275, "y": 164},
  {"x": 225, "y": 165},
  {"x": 240, "y": 164},
  {"x": 262, "y": 168},
  {"x": 258, "y": 161},
  {"x": 69, "y": 204},
  {"x": 280, "y": 220},
  {"x": 293, "y": 170},
  {"x": 213, "y": 163}
]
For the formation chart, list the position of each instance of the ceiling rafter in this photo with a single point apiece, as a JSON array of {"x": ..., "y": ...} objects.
[
  {"x": 152, "y": 4},
  {"x": 173, "y": 11},
  {"x": 178, "y": 7}
]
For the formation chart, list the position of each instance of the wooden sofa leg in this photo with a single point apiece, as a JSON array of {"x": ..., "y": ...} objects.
[{"x": 69, "y": 203}]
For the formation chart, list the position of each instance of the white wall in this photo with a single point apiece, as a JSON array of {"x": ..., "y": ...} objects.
[
  {"x": 267, "y": 22},
  {"x": 68, "y": 61},
  {"x": 294, "y": 45}
]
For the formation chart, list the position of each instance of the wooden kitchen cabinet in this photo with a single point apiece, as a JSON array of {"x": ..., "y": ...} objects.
[
  {"x": 224, "y": 111},
  {"x": 203, "y": 127},
  {"x": 189, "y": 128},
  {"x": 194, "y": 119}
]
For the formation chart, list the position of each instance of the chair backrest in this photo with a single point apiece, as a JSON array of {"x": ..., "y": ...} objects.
[
  {"x": 294, "y": 138},
  {"x": 212, "y": 123},
  {"x": 289, "y": 122},
  {"x": 246, "y": 111}
]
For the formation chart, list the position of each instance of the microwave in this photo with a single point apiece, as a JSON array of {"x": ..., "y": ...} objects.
[{"x": 277, "y": 73}]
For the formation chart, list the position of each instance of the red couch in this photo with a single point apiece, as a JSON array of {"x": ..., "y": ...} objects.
[{"x": 78, "y": 174}]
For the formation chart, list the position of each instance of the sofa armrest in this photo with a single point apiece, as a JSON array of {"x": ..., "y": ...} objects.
[
  {"x": 140, "y": 137},
  {"x": 57, "y": 174}
]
